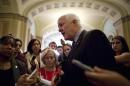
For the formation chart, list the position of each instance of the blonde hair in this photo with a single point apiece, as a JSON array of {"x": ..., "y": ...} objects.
[{"x": 44, "y": 53}]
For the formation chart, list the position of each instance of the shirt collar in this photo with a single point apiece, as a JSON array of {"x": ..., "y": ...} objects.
[{"x": 77, "y": 35}]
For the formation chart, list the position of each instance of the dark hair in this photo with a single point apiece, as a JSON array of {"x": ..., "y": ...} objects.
[
  {"x": 18, "y": 40},
  {"x": 7, "y": 40},
  {"x": 67, "y": 45},
  {"x": 124, "y": 46},
  {"x": 59, "y": 46},
  {"x": 52, "y": 43},
  {"x": 30, "y": 44}
]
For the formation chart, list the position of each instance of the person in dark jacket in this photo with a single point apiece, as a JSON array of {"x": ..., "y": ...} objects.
[
  {"x": 90, "y": 47},
  {"x": 9, "y": 71}
]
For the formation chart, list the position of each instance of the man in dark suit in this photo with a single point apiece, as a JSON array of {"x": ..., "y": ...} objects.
[{"x": 91, "y": 48}]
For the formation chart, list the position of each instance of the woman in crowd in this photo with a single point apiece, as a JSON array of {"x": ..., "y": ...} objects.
[
  {"x": 122, "y": 54},
  {"x": 120, "y": 47},
  {"x": 50, "y": 68},
  {"x": 33, "y": 54},
  {"x": 9, "y": 70}
]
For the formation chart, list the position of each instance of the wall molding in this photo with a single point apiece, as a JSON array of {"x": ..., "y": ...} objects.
[
  {"x": 123, "y": 20},
  {"x": 13, "y": 16}
]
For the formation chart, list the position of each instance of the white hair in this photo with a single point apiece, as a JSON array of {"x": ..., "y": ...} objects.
[
  {"x": 71, "y": 17},
  {"x": 45, "y": 51}
]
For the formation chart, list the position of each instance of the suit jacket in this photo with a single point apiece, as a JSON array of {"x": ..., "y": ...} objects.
[{"x": 92, "y": 48}]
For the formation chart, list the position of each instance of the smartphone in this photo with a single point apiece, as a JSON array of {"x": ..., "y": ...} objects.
[
  {"x": 81, "y": 65},
  {"x": 32, "y": 73}
]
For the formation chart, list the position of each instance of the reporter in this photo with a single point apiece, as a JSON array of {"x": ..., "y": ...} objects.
[
  {"x": 9, "y": 70},
  {"x": 122, "y": 55},
  {"x": 103, "y": 77},
  {"x": 121, "y": 50}
]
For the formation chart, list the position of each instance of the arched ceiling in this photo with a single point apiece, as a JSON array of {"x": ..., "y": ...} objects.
[
  {"x": 43, "y": 14},
  {"x": 93, "y": 13}
]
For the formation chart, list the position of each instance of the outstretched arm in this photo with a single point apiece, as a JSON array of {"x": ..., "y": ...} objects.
[{"x": 103, "y": 77}]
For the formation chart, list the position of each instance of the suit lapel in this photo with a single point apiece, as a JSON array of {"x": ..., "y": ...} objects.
[{"x": 76, "y": 48}]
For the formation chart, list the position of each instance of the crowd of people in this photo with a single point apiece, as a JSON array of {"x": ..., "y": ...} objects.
[{"x": 110, "y": 60}]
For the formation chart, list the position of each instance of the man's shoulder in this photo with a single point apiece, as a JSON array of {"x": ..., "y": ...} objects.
[
  {"x": 93, "y": 35},
  {"x": 92, "y": 32},
  {"x": 95, "y": 31}
]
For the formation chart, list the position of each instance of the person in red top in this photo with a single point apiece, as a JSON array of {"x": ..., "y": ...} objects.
[{"x": 50, "y": 69}]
